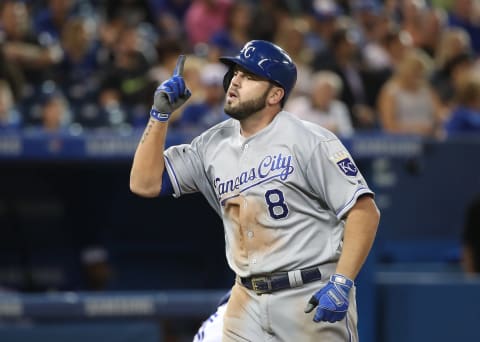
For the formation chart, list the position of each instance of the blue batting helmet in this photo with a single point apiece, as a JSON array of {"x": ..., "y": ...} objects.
[{"x": 266, "y": 60}]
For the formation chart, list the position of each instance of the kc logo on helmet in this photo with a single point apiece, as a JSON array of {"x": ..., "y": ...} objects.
[
  {"x": 248, "y": 51},
  {"x": 347, "y": 167}
]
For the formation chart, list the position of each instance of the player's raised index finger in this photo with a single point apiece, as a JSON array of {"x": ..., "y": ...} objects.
[{"x": 179, "y": 67}]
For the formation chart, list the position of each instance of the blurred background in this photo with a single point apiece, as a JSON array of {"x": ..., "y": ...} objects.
[{"x": 81, "y": 258}]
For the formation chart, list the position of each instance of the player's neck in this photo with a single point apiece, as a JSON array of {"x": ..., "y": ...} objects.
[{"x": 256, "y": 122}]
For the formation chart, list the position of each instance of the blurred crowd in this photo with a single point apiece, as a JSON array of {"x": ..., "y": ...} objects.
[{"x": 392, "y": 66}]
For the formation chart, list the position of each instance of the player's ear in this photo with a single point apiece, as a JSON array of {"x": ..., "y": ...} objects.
[{"x": 275, "y": 96}]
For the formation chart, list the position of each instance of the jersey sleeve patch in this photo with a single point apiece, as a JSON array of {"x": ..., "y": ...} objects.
[
  {"x": 345, "y": 163},
  {"x": 347, "y": 167}
]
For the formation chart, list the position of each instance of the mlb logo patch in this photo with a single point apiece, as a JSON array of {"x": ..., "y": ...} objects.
[{"x": 347, "y": 167}]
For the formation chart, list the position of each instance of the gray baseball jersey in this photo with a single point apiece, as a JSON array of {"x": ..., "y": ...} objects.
[{"x": 281, "y": 193}]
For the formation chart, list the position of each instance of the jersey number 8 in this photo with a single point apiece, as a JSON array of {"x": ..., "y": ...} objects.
[{"x": 277, "y": 207}]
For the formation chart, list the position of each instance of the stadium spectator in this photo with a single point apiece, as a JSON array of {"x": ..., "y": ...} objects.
[
  {"x": 465, "y": 117},
  {"x": 382, "y": 54},
  {"x": 447, "y": 80},
  {"x": 391, "y": 7},
  {"x": 49, "y": 20},
  {"x": 169, "y": 16},
  {"x": 112, "y": 112},
  {"x": 55, "y": 116},
  {"x": 412, "y": 14},
  {"x": 397, "y": 43},
  {"x": 137, "y": 11},
  {"x": 368, "y": 17},
  {"x": 324, "y": 22},
  {"x": 466, "y": 14},
  {"x": 127, "y": 77},
  {"x": 78, "y": 72},
  {"x": 291, "y": 37},
  {"x": 407, "y": 104},
  {"x": 236, "y": 32},
  {"x": 20, "y": 44},
  {"x": 322, "y": 106},
  {"x": 12, "y": 74},
  {"x": 10, "y": 119},
  {"x": 358, "y": 83},
  {"x": 109, "y": 30},
  {"x": 453, "y": 59},
  {"x": 204, "y": 18},
  {"x": 267, "y": 18},
  {"x": 452, "y": 42},
  {"x": 25, "y": 55},
  {"x": 433, "y": 23},
  {"x": 375, "y": 50}
]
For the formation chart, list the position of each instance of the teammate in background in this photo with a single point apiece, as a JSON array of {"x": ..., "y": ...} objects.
[
  {"x": 298, "y": 215},
  {"x": 211, "y": 329}
]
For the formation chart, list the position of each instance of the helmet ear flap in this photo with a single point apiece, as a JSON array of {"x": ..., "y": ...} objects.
[{"x": 227, "y": 78}]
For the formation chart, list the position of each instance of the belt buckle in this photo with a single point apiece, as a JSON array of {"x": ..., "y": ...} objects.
[{"x": 261, "y": 285}]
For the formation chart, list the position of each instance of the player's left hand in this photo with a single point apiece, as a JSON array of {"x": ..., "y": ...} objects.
[
  {"x": 332, "y": 300},
  {"x": 171, "y": 94}
]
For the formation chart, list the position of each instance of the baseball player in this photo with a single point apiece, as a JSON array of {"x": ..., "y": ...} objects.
[
  {"x": 211, "y": 329},
  {"x": 299, "y": 218}
]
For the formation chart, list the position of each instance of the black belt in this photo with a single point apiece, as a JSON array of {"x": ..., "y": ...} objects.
[{"x": 269, "y": 283}]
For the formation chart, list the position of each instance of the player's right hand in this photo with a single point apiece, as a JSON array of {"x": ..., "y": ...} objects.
[{"x": 171, "y": 94}]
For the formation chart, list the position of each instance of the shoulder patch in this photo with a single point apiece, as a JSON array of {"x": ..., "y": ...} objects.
[
  {"x": 345, "y": 163},
  {"x": 347, "y": 167}
]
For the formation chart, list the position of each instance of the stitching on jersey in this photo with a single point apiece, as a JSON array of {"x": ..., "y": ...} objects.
[
  {"x": 360, "y": 191},
  {"x": 170, "y": 167}
]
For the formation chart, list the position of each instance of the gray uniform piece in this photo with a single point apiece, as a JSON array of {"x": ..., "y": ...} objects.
[{"x": 281, "y": 193}]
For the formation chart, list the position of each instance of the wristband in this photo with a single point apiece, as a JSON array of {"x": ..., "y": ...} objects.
[
  {"x": 341, "y": 280},
  {"x": 159, "y": 116}
]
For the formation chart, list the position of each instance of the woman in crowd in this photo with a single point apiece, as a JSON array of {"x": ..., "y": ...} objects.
[{"x": 407, "y": 104}]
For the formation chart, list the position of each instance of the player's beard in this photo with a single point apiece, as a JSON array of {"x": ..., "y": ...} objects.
[{"x": 247, "y": 108}]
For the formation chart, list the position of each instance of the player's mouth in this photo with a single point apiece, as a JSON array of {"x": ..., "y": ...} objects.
[{"x": 232, "y": 95}]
